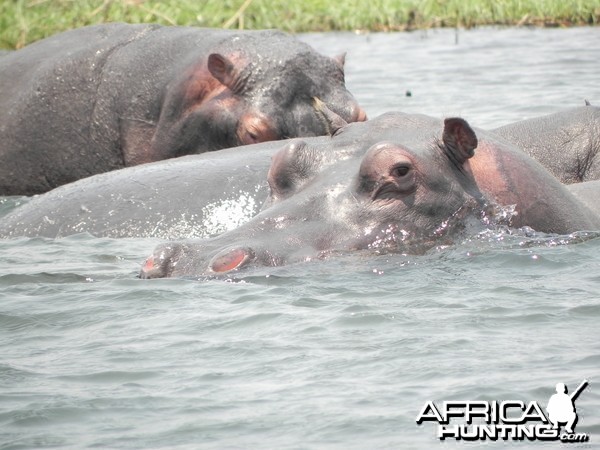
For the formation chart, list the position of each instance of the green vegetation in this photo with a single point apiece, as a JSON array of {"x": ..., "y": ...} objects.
[{"x": 24, "y": 21}]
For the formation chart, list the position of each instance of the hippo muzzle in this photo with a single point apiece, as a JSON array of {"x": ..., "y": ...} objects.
[{"x": 202, "y": 259}]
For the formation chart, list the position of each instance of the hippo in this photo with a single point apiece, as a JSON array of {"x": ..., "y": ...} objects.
[
  {"x": 567, "y": 143},
  {"x": 193, "y": 196},
  {"x": 399, "y": 182},
  {"x": 103, "y": 97},
  {"x": 190, "y": 196}
]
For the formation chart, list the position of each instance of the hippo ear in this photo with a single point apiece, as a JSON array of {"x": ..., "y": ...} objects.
[
  {"x": 340, "y": 60},
  {"x": 223, "y": 70},
  {"x": 459, "y": 139}
]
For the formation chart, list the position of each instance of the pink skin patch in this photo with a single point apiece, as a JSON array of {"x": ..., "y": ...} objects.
[
  {"x": 149, "y": 264},
  {"x": 229, "y": 261},
  {"x": 361, "y": 116}
]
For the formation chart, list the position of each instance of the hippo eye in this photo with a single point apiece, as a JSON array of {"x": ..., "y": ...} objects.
[
  {"x": 255, "y": 128},
  {"x": 400, "y": 171},
  {"x": 400, "y": 181},
  {"x": 251, "y": 137}
]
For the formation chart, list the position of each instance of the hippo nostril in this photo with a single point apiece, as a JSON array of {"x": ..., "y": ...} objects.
[
  {"x": 161, "y": 263},
  {"x": 150, "y": 269},
  {"x": 148, "y": 264},
  {"x": 230, "y": 259}
]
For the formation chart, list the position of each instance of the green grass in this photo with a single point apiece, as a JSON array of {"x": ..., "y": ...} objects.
[{"x": 25, "y": 21}]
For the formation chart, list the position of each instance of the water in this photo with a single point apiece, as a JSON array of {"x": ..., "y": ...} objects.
[
  {"x": 490, "y": 78},
  {"x": 341, "y": 353}
]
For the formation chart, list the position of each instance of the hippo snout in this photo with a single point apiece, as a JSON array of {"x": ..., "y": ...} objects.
[
  {"x": 200, "y": 258},
  {"x": 162, "y": 262},
  {"x": 358, "y": 114}
]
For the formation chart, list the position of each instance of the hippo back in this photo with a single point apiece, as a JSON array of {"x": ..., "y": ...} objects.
[
  {"x": 196, "y": 195},
  {"x": 103, "y": 97},
  {"x": 566, "y": 143}
]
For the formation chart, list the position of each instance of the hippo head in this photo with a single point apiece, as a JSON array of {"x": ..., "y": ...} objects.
[
  {"x": 373, "y": 186},
  {"x": 254, "y": 90},
  {"x": 271, "y": 100},
  {"x": 274, "y": 99}
]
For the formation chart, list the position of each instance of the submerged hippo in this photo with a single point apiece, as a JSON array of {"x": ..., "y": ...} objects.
[
  {"x": 398, "y": 182},
  {"x": 566, "y": 143},
  {"x": 105, "y": 97}
]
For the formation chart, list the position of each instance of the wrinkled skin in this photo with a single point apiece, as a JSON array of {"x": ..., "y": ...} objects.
[
  {"x": 105, "y": 97},
  {"x": 566, "y": 143},
  {"x": 396, "y": 183}
]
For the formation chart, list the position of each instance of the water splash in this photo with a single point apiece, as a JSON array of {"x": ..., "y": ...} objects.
[
  {"x": 482, "y": 224},
  {"x": 214, "y": 218},
  {"x": 225, "y": 215}
]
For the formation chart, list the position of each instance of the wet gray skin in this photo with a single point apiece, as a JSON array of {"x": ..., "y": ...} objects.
[
  {"x": 109, "y": 96},
  {"x": 396, "y": 183},
  {"x": 566, "y": 143}
]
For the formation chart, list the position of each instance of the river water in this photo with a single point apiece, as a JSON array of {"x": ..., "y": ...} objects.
[{"x": 342, "y": 353}]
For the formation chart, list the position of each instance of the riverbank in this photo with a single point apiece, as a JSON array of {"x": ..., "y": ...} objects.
[{"x": 25, "y": 21}]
